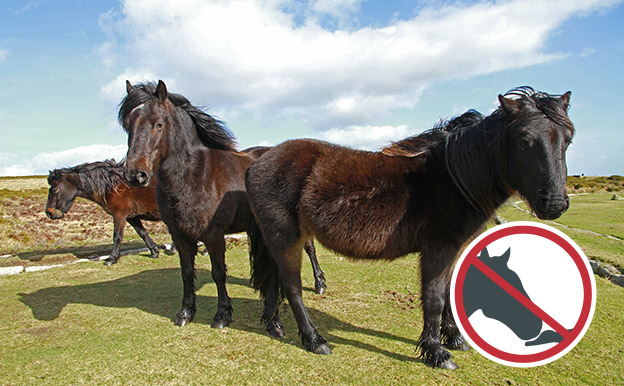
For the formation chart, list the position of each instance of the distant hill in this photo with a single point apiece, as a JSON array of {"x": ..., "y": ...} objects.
[{"x": 584, "y": 184}]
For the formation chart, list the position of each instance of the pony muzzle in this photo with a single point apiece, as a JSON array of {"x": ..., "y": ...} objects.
[
  {"x": 138, "y": 177},
  {"x": 551, "y": 208},
  {"x": 54, "y": 214}
]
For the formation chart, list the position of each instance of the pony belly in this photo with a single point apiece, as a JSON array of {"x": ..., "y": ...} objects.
[{"x": 361, "y": 243}]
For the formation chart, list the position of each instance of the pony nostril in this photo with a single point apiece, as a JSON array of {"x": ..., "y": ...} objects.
[{"x": 141, "y": 177}]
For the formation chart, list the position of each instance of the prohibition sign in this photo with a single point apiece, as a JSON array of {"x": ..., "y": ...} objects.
[{"x": 527, "y": 242}]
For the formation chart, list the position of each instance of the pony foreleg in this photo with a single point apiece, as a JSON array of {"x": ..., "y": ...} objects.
[
  {"x": 451, "y": 336},
  {"x": 435, "y": 279},
  {"x": 118, "y": 230},
  {"x": 187, "y": 251},
  {"x": 215, "y": 244},
  {"x": 140, "y": 230},
  {"x": 319, "y": 277}
]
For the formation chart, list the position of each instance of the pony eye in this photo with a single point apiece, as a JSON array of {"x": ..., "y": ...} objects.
[
  {"x": 158, "y": 126},
  {"x": 524, "y": 144}
]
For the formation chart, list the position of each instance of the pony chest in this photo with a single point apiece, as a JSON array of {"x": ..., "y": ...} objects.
[{"x": 190, "y": 209}]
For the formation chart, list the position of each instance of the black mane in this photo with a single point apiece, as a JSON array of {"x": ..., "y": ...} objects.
[
  {"x": 212, "y": 132},
  {"x": 95, "y": 178},
  {"x": 482, "y": 140}
]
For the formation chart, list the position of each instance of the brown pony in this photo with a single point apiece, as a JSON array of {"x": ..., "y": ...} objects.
[
  {"x": 200, "y": 186},
  {"x": 104, "y": 184},
  {"x": 430, "y": 193}
]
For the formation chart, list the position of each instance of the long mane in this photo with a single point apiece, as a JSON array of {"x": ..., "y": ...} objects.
[
  {"x": 95, "y": 178},
  {"x": 473, "y": 146},
  {"x": 212, "y": 132}
]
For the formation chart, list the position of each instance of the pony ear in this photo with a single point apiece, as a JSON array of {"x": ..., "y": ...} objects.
[
  {"x": 511, "y": 106},
  {"x": 505, "y": 256},
  {"x": 161, "y": 91},
  {"x": 400, "y": 152},
  {"x": 484, "y": 254},
  {"x": 129, "y": 87},
  {"x": 566, "y": 99}
]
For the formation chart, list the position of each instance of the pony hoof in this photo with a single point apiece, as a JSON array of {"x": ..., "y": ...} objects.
[
  {"x": 319, "y": 290},
  {"x": 154, "y": 255},
  {"x": 458, "y": 344},
  {"x": 181, "y": 322},
  {"x": 463, "y": 347},
  {"x": 108, "y": 262},
  {"x": 276, "y": 331},
  {"x": 322, "y": 349},
  {"x": 448, "y": 365},
  {"x": 219, "y": 324},
  {"x": 184, "y": 318}
]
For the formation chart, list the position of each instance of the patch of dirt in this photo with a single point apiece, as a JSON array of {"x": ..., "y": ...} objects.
[{"x": 407, "y": 301}]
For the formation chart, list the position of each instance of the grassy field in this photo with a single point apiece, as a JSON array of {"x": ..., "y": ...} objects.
[
  {"x": 89, "y": 324},
  {"x": 595, "y": 212}
]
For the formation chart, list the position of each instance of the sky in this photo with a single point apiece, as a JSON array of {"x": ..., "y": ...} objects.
[{"x": 360, "y": 73}]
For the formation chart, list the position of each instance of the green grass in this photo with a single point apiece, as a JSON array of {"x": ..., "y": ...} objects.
[
  {"x": 594, "y": 212},
  {"x": 89, "y": 324}
]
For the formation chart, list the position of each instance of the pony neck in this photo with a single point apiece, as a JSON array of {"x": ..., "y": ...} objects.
[
  {"x": 182, "y": 147},
  {"x": 476, "y": 161},
  {"x": 86, "y": 189}
]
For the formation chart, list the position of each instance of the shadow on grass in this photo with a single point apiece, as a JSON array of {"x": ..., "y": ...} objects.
[
  {"x": 157, "y": 291},
  {"x": 81, "y": 251}
]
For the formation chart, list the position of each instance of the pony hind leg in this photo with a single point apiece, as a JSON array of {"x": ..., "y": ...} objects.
[
  {"x": 319, "y": 277},
  {"x": 270, "y": 315},
  {"x": 118, "y": 231},
  {"x": 265, "y": 278},
  {"x": 215, "y": 245},
  {"x": 140, "y": 230},
  {"x": 290, "y": 275}
]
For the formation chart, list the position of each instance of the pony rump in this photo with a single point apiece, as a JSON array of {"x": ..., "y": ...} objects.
[{"x": 212, "y": 132}]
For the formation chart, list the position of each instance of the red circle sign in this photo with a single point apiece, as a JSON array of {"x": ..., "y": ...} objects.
[{"x": 529, "y": 303}]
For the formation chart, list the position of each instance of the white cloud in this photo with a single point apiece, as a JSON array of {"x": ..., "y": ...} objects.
[
  {"x": 3, "y": 54},
  {"x": 365, "y": 137},
  {"x": 252, "y": 55},
  {"x": 43, "y": 162}
]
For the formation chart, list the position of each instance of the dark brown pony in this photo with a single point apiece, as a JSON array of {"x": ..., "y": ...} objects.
[
  {"x": 430, "y": 193},
  {"x": 104, "y": 183},
  {"x": 200, "y": 186}
]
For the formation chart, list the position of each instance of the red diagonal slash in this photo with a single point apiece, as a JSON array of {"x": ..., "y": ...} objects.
[{"x": 511, "y": 290}]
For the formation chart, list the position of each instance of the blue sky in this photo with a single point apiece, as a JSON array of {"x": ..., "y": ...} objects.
[{"x": 356, "y": 72}]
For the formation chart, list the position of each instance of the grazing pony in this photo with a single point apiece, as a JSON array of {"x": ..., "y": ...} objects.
[
  {"x": 200, "y": 186},
  {"x": 429, "y": 193},
  {"x": 104, "y": 183}
]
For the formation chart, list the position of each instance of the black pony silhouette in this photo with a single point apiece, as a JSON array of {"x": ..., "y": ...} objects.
[{"x": 481, "y": 293}]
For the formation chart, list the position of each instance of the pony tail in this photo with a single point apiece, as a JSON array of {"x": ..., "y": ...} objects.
[{"x": 264, "y": 270}]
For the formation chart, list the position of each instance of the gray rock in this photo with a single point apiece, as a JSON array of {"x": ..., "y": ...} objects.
[
  {"x": 594, "y": 265},
  {"x": 606, "y": 271},
  {"x": 617, "y": 280}
]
